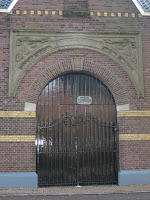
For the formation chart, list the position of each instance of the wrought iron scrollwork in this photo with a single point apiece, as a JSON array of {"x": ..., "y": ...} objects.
[{"x": 77, "y": 120}]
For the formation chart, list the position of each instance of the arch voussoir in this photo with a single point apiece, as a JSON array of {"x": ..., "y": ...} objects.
[{"x": 100, "y": 72}]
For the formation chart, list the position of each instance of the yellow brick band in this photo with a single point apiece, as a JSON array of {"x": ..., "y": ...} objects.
[
  {"x": 17, "y": 12},
  {"x": 46, "y": 12},
  {"x": 93, "y": 13},
  {"x": 134, "y": 113},
  {"x": 17, "y": 138},
  {"x": 39, "y": 12},
  {"x": 134, "y": 137},
  {"x": 24, "y": 12},
  {"x": 32, "y": 12},
  {"x": 31, "y": 138},
  {"x": 53, "y": 12},
  {"x": 60, "y": 13},
  {"x": 112, "y": 14},
  {"x": 17, "y": 114}
]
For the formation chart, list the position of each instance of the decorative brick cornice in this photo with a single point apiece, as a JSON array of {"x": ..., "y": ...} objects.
[{"x": 76, "y": 13}]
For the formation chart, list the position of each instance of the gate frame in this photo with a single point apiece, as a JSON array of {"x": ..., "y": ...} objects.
[
  {"x": 116, "y": 126},
  {"x": 111, "y": 80}
]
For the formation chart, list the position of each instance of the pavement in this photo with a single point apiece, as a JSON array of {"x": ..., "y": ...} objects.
[
  {"x": 75, "y": 190},
  {"x": 114, "y": 196}
]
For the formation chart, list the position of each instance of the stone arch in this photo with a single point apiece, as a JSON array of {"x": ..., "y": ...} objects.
[
  {"x": 103, "y": 74},
  {"x": 122, "y": 48}
]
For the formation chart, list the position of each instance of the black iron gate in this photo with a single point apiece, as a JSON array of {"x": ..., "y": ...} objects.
[{"x": 76, "y": 134}]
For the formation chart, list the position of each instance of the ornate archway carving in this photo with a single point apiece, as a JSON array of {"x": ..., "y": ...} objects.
[{"x": 28, "y": 47}]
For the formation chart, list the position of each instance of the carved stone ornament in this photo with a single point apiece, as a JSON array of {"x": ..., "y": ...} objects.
[
  {"x": 77, "y": 62},
  {"x": 27, "y": 47}
]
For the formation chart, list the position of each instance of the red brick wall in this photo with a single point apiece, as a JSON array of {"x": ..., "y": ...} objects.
[
  {"x": 17, "y": 157},
  {"x": 21, "y": 156},
  {"x": 134, "y": 155}
]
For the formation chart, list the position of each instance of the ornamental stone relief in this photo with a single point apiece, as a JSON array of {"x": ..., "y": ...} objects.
[
  {"x": 126, "y": 45},
  {"x": 28, "y": 47},
  {"x": 77, "y": 62},
  {"x": 25, "y": 46}
]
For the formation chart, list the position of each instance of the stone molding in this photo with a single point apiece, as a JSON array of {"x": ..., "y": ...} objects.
[{"x": 27, "y": 47}]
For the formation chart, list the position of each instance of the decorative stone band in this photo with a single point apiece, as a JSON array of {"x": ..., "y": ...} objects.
[
  {"x": 17, "y": 114},
  {"x": 17, "y": 138},
  {"x": 134, "y": 113},
  {"x": 134, "y": 136}
]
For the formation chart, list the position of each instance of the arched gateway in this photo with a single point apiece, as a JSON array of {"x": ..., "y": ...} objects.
[{"x": 76, "y": 134}]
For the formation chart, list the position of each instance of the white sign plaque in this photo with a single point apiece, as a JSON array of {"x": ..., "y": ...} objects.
[{"x": 86, "y": 100}]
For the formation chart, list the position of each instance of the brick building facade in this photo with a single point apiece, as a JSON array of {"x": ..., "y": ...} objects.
[{"x": 110, "y": 40}]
